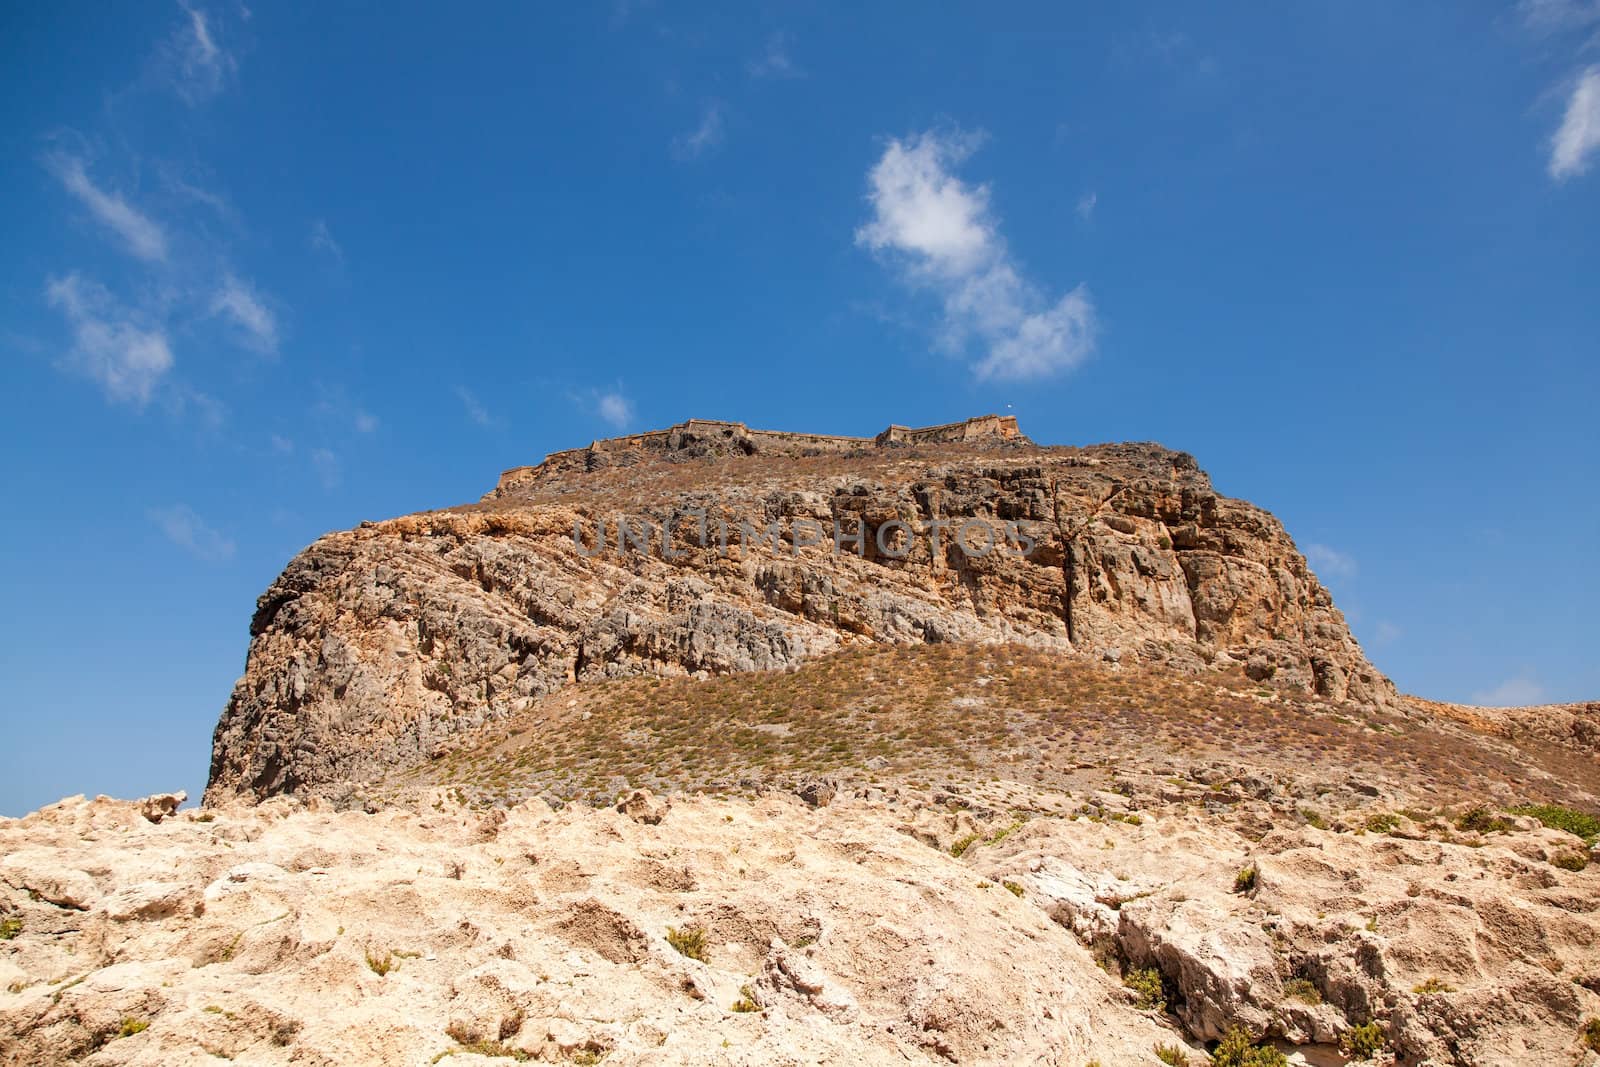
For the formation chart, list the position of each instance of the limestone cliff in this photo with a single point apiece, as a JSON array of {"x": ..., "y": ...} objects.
[{"x": 376, "y": 645}]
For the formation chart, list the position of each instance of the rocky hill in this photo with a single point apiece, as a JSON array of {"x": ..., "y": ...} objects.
[{"x": 710, "y": 548}]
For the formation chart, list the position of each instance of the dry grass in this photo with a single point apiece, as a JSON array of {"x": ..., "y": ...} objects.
[{"x": 972, "y": 713}]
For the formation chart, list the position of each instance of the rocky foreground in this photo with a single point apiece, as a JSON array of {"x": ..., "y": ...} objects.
[{"x": 859, "y": 926}]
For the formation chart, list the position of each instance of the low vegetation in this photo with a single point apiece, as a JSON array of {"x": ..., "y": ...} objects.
[
  {"x": 1362, "y": 1042},
  {"x": 1172, "y": 1055},
  {"x": 131, "y": 1026},
  {"x": 1237, "y": 1049},
  {"x": 1303, "y": 990},
  {"x": 1146, "y": 983},
  {"x": 1433, "y": 985},
  {"x": 381, "y": 965},
  {"x": 690, "y": 941},
  {"x": 1578, "y": 823},
  {"x": 10, "y": 927},
  {"x": 1245, "y": 880}
]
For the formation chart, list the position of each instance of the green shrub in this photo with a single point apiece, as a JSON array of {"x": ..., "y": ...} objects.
[
  {"x": 1362, "y": 1042},
  {"x": 1571, "y": 861},
  {"x": 381, "y": 965},
  {"x": 1578, "y": 823},
  {"x": 1303, "y": 990},
  {"x": 1147, "y": 983},
  {"x": 746, "y": 1001},
  {"x": 1433, "y": 985},
  {"x": 690, "y": 941},
  {"x": 1015, "y": 889},
  {"x": 961, "y": 844},
  {"x": 1172, "y": 1055},
  {"x": 10, "y": 927},
  {"x": 1313, "y": 818},
  {"x": 1237, "y": 1050},
  {"x": 131, "y": 1026},
  {"x": 1383, "y": 822},
  {"x": 1245, "y": 880},
  {"x": 1591, "y": 1034}
]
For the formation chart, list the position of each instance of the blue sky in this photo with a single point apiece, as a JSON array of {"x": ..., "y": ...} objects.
[{"x": 269, "y": 273}]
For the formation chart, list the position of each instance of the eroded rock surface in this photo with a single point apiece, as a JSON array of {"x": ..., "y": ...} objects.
[{"x": 377, "y": 645}]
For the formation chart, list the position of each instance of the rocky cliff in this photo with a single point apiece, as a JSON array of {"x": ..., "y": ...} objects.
[{"x": 710, "y": 547}]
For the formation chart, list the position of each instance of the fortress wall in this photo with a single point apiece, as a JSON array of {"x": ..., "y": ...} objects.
[{"x": 695, "y": 431}]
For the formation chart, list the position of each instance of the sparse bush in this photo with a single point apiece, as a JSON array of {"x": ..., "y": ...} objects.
[
  {"x": 10, "y": 927},
  {"x": 131, "y": 1026},
  {"x": 381, "y": 965},
  {"x": 1236, "y": 1049},
  {"x": 1146, "y": 982},
  {"x": 1172, "y": 1055},
  {"x": 1433, "y": 985},
  {"x": 746, "y": 1001},
  {"x": 1578, "y": 823},
  {"x": 1383, "y": 822},
  {"x": 690, "y": 941},
  {"x": 1362, "y": 1042},
  {"x": 1571, "y": 861},
  {"x": 1481, "y": 821},
  {"x": 1015, "y": 889},
  {"x": 1591, "y": 1034},
  {"x": 1245, "y": 880},
  {"x": 1313, "y": 819},
  {"x": 961, "y": 844},
  {"x": 1303, "y": 990}
]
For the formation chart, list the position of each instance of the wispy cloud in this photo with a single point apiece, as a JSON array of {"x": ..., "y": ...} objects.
[
  {"x": 1086, "y": 205},
  {"x": 1578, "y": 137},
  {"x": 774, "y": 61},
  {"x": 1388, "y": 633},
  {"x": 128, "y": 358},
  {"x": 366, "y": 422},
  {"x": 238, "y": 302},
  {"x": 321, "y": 241},
  {"x": 704, "y": 137},
  {"x": 143, "y": 237},
  {"x": 942, "y": 235},
  {"x": 199, "y": 66},
  {"x": 614, "y": 407},
  {"x": 326, "y": 465},
  {"x": 1511, "y": 693},
  {"x": 1330, "y": 562},
  {"x": 475, "y": 411},
  {"x": 1559, "y": 16},
  {"x": 191, "y": 533}
]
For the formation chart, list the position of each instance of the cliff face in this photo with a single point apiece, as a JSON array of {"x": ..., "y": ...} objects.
[{"x": 377, "y": 644}]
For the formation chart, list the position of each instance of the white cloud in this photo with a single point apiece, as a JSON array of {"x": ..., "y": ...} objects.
[
  {"x": 199, "y": 65},
  {"x": 280, "y": 444},
  {"x": 321, "y": 240},
  {"x": 366, "y": 422},
  {"x": 238, "y": 302},
  {"x": 1579, "y": 135},
  {"x": 127, "y": 358},
  {"x": 475, "y": 411},
  {"x": 703, "y": 137},
  {"x": 775, "y": 61},
  {"x": 191, "y": 533},
  {"x": 1330, "y": 562},
  {"x": 1388, "y": 633},
  {"x": 143, "y": 237},
  {"x": 1511, "y": 693},
  {"x": 940, "y": 231},
  {"x": 1559, "y": 16},
  {"x": 1086, "y": 204},
  {"x": 614, "y": 408}
]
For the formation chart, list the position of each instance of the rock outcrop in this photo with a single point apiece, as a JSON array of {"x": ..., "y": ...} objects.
[{"x": 713, "y": 548}]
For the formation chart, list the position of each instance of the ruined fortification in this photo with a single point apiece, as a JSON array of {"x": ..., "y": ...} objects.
[{"x": 717, "y": 437}]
